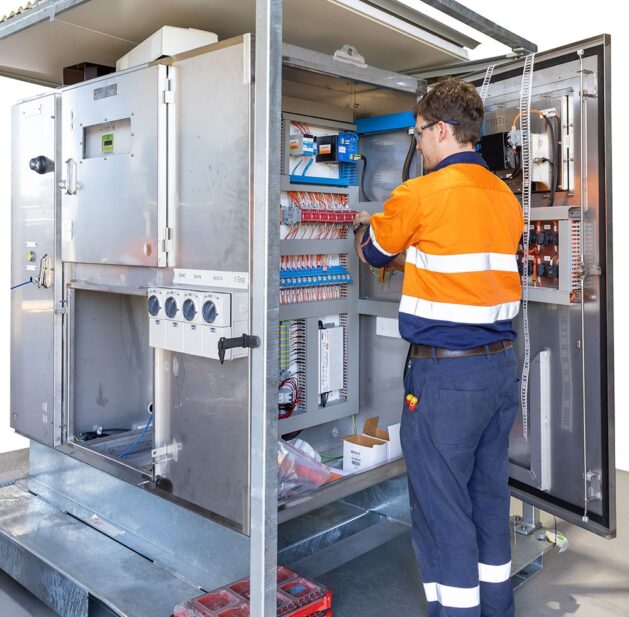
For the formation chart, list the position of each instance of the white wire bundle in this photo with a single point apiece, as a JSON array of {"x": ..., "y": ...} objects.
[
  {"x": 525, "y": 132},
  {"x": 485, "y": 87}
]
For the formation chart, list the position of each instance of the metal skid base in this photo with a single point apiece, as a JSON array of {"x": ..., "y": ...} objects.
[{"x": 83, "y": 561}]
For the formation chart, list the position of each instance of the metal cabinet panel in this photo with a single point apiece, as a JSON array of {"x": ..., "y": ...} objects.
[
  {"x": 35, "y": 328},
  {"x": 565, "y": 464},
  {"x": 114, "y": 169},
  {"x": 202, "y": 426}
]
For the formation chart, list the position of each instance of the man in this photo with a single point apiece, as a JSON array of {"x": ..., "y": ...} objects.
[{"x": 460, "y": 226}]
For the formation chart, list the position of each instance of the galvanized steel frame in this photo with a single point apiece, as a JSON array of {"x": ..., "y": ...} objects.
[{"x": 265, "y": 305}]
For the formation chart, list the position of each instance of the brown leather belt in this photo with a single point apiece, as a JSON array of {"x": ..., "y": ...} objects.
[{"x": 426, "y": 351}]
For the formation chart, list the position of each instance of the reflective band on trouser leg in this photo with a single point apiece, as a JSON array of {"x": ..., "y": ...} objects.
[
  {"x": 452, "y": 597},
  {"x": 494, "y": 574}
]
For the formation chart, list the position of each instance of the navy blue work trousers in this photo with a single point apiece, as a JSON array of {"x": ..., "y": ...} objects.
[{"x": 455, "y": 443}]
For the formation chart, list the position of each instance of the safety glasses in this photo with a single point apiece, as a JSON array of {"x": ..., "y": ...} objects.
[{"x": 418, "y": 132}]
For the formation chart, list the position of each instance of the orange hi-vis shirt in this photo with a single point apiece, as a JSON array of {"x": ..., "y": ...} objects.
[{"x": 460, "y": 227}]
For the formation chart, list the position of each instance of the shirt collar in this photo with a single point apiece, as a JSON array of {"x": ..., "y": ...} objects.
[{"x": 469, "y": 157}]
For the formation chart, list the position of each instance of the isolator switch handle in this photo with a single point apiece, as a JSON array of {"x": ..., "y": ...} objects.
[
  {"x": 41, "y": 164},
  {"x": 246, "y": 340}
]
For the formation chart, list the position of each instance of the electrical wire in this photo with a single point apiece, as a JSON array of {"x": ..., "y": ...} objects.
[
  {"x": 406, "y": 170},
  {"x": 362, "y": 177},
  {"x": 139, "y": 438},
  {"x": 30, "y": 280}
]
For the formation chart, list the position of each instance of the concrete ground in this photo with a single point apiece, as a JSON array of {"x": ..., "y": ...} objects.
[{"x": 591, "y": 579}]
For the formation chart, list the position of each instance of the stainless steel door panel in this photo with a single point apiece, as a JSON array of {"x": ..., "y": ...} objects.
[
  {"x": 202, "y": 407},
  {"x": 571, "y": 464},
  {"x": 114, "y": 169},
  {"x": 34, "y": 359},
  {"x": 213, "y": 105}
]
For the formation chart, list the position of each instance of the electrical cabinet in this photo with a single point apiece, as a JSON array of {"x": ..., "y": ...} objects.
[{"x": 158, "y": 249}]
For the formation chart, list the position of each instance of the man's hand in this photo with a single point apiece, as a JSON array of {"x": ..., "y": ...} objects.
[
  {"x": 361, "y": 220},
  {"x": 358, "y": 240}
]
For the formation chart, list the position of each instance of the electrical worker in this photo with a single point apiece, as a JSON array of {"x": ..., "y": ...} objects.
[{"x": 460, "y": 227}]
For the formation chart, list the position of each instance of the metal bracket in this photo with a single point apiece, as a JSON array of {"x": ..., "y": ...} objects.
[
  {"x": 529, "y": 522},
  {"x": 349, "y": 54},
  {"x": 166, "y": 453},
  {"x": 167, "y": 240},
  {"x": 62, "y": 308},
  {"x": 594, "y": 482}
]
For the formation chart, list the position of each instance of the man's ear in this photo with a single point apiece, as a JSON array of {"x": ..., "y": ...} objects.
[{"x": 444, "y": 131}]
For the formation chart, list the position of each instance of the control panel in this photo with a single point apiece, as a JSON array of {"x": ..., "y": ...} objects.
[{"x": 193, "y": 321}]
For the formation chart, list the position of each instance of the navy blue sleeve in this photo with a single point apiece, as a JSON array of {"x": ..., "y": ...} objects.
[{"x": 373, "y": 256}]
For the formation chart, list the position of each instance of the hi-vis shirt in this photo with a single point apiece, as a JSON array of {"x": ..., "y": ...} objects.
[{"x": 460, "y": 227}]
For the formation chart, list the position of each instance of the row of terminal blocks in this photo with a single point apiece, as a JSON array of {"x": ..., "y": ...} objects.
[
  {"x": 193, "y": 321},
  {"x": 294, "y": 215},
  {"x": 314, "y": 277}
]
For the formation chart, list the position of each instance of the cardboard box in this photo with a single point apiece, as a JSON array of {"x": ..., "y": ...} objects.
[
  {"x": 360, "y": 452},
  {"x": 373, "y": 447}
]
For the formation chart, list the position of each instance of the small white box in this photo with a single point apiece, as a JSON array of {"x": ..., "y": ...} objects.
[
  {"x": 373, "y": 447},
  {"x": 330, "y": 359},
  {"x": 174, "y": 336},
  {"x": 361, "y": 452},
  {"x": 167, "y": 41},
  {"x": 192, "y": 339},
  {"x": 157, "y": 332}
]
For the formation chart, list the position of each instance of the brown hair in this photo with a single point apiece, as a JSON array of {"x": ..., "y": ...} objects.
[{"x": 454, "y": 99}]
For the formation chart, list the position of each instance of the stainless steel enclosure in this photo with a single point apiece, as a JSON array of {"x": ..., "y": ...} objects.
[
  {"x": 36, "y": 344},
  {"x": 172, "y": 176}
]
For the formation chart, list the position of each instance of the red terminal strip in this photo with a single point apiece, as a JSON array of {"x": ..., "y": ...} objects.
[{"x": 327, "y": 216}]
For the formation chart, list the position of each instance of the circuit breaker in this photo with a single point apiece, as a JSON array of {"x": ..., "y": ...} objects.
[{"x": 192, "y": 321}]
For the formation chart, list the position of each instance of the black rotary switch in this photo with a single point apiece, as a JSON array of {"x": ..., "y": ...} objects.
[
  {"x": 209, "y": 312},
  {"x": 153, "y": 305},
  {"x": 189, "y": 310},
  {"x": 171, "y": 307}
]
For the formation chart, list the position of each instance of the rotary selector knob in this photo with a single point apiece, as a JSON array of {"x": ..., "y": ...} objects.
[
  {"x": 153, "y": 305},
  {"x": 171, "y": 307},
  {"x": 189, "y": 309},
  {"x": 209, "y": 311}
]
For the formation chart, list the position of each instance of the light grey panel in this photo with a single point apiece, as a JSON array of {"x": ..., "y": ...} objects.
[
  {"x": 202, "y": 406},
  {"x": 213, "y": 155},
  {"x": 113, "y": 363},
  {"x": 33, "y": 322},
  {"x": 116, "y": 203}
]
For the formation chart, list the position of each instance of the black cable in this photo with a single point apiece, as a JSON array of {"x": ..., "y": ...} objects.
[
  {"x": 362, "y": 178},
  {"x": 406, "y": 170},
  {"x": 553, "y": 165}
]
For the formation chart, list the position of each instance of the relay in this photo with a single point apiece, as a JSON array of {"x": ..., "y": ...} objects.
[{"x": 341, "y": 148}]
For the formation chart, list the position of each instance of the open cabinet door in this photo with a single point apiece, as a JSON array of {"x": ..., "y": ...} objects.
[{"x": 562, "y": 444}]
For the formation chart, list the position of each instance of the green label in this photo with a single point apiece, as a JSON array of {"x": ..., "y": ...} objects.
[{"x": 107, "y": 143}]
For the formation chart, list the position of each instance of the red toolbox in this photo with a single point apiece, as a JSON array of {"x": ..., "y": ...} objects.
[{"x": 297, "y": 596}]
